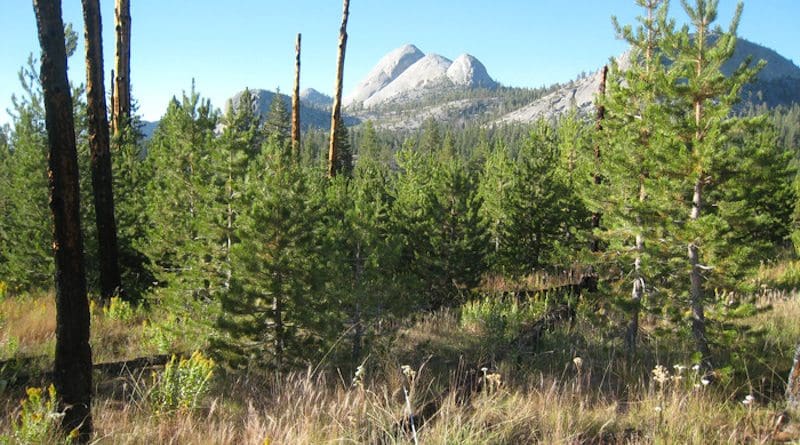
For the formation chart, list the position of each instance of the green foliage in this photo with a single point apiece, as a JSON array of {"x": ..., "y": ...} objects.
[
  {"x": 38, "y": 420},
  {"x": 180, "y": 238},
  {"x": 498, "y": 318},
  {"x": 182, "y": 385},
  {"x": 532, "y": 208},
  {"x": 436, "y": 216},
  {"x": 119, "y": 309},
  {"x": 273, "y": 309}
]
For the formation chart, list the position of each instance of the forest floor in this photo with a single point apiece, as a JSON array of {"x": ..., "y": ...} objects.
[{"x": 466, "y": 378}]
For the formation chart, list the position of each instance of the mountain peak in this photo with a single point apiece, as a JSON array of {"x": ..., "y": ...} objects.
[
  {"x": 468, "y": 71},
  {"x": 388, "y": 69},
  {"x": 314, "y": 98}
]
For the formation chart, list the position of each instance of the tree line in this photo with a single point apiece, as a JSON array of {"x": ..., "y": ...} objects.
[{"x": 272, "y": 249}]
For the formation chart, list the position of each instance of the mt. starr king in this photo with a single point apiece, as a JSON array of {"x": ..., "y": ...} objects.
[{"x": 406, "y": 87}]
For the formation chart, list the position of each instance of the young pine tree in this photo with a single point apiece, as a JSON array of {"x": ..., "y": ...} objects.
[{"x": 180, "y": 238}]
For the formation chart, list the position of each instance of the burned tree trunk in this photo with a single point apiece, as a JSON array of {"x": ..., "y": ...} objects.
[
  {"x": 296, "y": 99},
  {"x": 99, "y": 143},
  {"x": 598, "y": 179},
  {"x": 336, "y": 112},
  {"x": 122, "y": 103},
  {"x": 73, "y": 358}
]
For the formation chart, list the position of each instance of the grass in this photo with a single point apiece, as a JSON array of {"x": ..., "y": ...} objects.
[{"x": 541, "y": 394}]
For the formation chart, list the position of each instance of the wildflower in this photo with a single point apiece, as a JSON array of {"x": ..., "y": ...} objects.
[
  {"x": 660, "y": 374},
  {"x": 358, "y": 378},
  {"x": 696, "y": 368},
  {"x": 495, "y": 380},
  {"x": 408, "y": 372},
  {"x": 578, "y": 362},
  {"x": 658, "y": 409},
  {"x": 705, "y": 381},
  {"x": 679, "y": 369},
  {"x": 748, "y": 400}
]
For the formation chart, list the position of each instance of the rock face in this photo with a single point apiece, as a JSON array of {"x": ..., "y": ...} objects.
[
  {"x": 777, "y": 84},
  {"x": 406, "y": 74},
  {"x": 314, "y": 98},
  {"x": 387, "y": 70},
  {"x": 468, "y": 71},
  {"x": 428, "y": 72}
]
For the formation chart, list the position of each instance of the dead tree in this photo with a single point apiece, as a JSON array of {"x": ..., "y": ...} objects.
[
  {"x": 296, "y": 99},
  {"x": 99, "y": 143},
  {"x": 72, "y": 373},
  {"x": 121, "y": 111},
  {"x": 598, "y": 179},
  {"x": 336, "y": 112}
]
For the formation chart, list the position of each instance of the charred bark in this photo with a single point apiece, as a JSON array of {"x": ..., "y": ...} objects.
[
  {"x": 73, "y": 355},
  {"x": 99, "y": 143},
  {"x": 122, "y": 103},
  {"x": 336, "y": 112},
  {"x": 598, "y": 179},
  {"x": 296, "y": 99}
]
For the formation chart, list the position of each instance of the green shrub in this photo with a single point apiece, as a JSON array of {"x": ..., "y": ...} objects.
[
  {"x": 183, "y": 383},
  {"x": 498, "y": 318},
  {"x": 119, "y": 309},
  {"x": 38, "y": 421}
]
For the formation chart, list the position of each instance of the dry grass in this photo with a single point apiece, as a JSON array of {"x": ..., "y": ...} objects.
[
  {"x": 544, "y": 396},
  {"x": 29, "y": 324}
]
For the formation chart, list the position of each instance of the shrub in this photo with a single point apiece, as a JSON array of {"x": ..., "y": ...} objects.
[
  {"x": 498, "y": 318},
  {"x": 119, "y": 309},
  {"x": 183, "y": 383},
  {"x": 38, "y": 420}
]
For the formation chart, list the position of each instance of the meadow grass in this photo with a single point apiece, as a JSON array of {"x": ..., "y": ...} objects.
[{"x": 575, "y": 387}]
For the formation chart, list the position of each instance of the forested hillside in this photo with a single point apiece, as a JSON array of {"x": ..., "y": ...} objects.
[{"x": 625, "y": 277}]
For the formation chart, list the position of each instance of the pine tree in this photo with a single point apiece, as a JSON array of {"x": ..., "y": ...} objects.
[
  {"x": 634, "y": 145},
  {"x": 443, "y": 236},
  {"x": 28, "y": 249},
  {"x": 180, "y": 239},
  {"x": 277, "y": 123},
  {"x": 709, "y": 95},
  {"x": 362, "y": 251},
  {"x": 275, "y": 310}
]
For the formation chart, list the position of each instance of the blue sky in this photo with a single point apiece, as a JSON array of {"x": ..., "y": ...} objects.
[{"x": 229, "y": 45}]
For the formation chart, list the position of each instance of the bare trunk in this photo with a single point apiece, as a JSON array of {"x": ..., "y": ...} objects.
[
  {"x": 793, "y": 383},
  {"x": 637, "y": 293},
  {"x": 336, "y": 112},
  {"x": 113, "y": 99},
  {"x": 122, "y": 104},
  {"x": 296, "y": 99},
  {"x": 277, "y": 313},
  {"x": 99, "y": 142},
  {"x": 698, "y": 316},
  {"x": 601, "y": 115},
  {"x": 73, "y": 355},
  {"x": 358, "y": 322}
]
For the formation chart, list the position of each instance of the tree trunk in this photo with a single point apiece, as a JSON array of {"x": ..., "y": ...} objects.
[
  {"x": 73, "y": 355},
  {"x": 122, "y": 104},
  {"x": 638, "y": 282},
  {"x": 698, "y": 316},
  {"x": 110, "y": 281},
  {"x": 601, "y": 115},
  {"x": 113, "y": 101},
  {"x": 358, "y": 322},
  {"x": 296, "y": 99},
  {"x": 793, "y": 383},
  {"x": 336, "y": 112}
]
